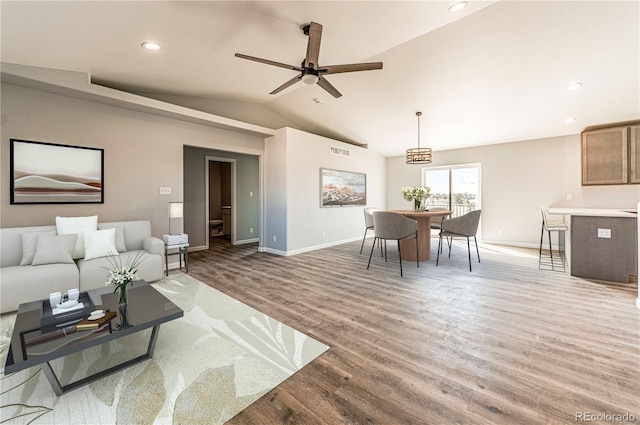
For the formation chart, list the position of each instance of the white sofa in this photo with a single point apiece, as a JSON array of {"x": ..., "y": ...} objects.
[{"x": 23, "y": 283}]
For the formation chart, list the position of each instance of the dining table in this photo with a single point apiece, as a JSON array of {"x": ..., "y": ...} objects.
[{"x": 408, "y": 246}]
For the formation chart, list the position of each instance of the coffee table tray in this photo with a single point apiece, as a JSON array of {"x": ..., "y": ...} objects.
[{"x": 50, "y": 322}]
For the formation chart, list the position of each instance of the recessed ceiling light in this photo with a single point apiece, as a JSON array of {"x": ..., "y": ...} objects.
[
  {"x": 150, "y": 45},
  {"x": 457, "y": 6},
  {"x": 574, "y": 86},
  {"x": 569, "y": 120}
]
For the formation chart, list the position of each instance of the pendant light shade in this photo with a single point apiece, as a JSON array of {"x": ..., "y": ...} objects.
[{"x": 419, "y": 155}]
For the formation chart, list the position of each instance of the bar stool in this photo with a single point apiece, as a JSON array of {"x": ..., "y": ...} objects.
[{"x": 547, "y": 259}]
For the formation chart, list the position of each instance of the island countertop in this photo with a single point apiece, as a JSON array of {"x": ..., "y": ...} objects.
[
  {"x": 602, "y": 243},
  {"x": 595, "y": 212}
]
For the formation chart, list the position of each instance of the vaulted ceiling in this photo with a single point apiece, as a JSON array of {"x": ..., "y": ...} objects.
[{"x": 494, "y": 72}]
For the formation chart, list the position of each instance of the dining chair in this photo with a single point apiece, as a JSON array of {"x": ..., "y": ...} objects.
[
  {"x": 368, "y": 222},
  {"x": 388, "y": 225},
  {"x": 462, "y": 226},
  {"x": 552, "y": 226},
  {"x": 436, "y": 222}
]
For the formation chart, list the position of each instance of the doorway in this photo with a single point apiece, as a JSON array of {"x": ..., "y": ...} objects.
[{"x": 220, "y": 200}]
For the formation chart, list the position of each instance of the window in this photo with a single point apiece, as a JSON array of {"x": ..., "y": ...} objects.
[{"x": 454, "y": 187}]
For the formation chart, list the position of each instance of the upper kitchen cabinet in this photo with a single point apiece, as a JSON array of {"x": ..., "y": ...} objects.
[
  {"x": 634, "y": 155},
  {"x": 611, "y": 155}
]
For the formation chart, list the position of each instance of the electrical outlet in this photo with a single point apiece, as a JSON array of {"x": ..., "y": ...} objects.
[
  {"x": 250, "y": 194},
  {"x": 250, "y": 229},
  {"x": 322, "y": 235},
  {"x": 604, "y": 233},
  {"x": 274, "y": 238},
  {"x": 569, "y": 197},
  {"x": 499, "y": 232},
  {"x": 165, "y": 190}
]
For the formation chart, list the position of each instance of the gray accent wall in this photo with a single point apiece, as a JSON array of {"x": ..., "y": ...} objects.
[{"x": 247, "y": 208}]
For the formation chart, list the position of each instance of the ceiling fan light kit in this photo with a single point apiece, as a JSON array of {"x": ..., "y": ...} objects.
[
  {"x": 310, "y": 71},
  {"x": 418, "y": 155},
  {"x": 310, "y": 79},
  {"x": 456, "y": 7}
]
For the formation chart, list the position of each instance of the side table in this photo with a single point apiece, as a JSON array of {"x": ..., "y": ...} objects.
[{"x": 183, "y": 252}]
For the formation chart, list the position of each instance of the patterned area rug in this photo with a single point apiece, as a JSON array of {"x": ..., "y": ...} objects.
[{"x": 207, "y": 366}]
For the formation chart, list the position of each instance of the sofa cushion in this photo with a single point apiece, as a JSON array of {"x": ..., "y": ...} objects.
[
  {"x": 29, "y": 240},
  {"x": 120, "y": 245},
  {"x": 76, "y": 225},
  {"x": 99, "y": 243},
  {"x": 52, "y": 249},
  {"x": 94, "y": 273}
]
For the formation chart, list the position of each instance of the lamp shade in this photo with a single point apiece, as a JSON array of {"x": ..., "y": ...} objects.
[
  {"x": 175, "y": 209},
  {"x": 418, "y": 155}
]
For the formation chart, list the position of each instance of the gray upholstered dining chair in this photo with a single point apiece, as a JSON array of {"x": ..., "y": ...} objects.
[
  {"x": 436, "y": 221},
  {"x": 462, "y": 226},
  {"x": 388, "y": 225},
  {"x": 368, "y": 221}
]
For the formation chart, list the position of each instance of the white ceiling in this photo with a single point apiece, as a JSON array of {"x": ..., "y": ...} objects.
[{"x": 494, "y": 72}]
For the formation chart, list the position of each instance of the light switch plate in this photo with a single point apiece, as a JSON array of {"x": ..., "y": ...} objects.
[
  {"x": 604, "y": 233},
  {"x": 165, "y": 190}
]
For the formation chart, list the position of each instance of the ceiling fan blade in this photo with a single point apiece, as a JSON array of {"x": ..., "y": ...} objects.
[
  {"x": 322, "y": 82},
  {"x": 268, "y": 62},
  {"x": 313, "y": 46},
  {"x": 287, "y": 84},
  {"x": 337, "y": 69}
]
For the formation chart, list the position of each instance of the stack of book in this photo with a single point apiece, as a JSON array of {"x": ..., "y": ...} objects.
[{"x": 95, "y": 324}]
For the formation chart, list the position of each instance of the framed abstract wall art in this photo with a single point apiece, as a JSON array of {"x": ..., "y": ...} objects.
[
  {"x": 342, "y": 188},
  {"x": 48, "y": 173}
]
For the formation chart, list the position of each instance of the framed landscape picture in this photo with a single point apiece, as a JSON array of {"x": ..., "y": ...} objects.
[
  {"x": 342, "y": 188},
  {"x": 48, "y": 173}
]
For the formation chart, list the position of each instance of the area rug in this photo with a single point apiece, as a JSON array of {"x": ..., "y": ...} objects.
[{"x": 207, "y": 367}]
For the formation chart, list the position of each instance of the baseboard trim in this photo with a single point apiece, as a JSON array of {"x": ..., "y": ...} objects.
[
  {"x": 308, "y": 248},
  {"x": 247, "y": 241},
  {"x": 272, "y": 251},
  {"x": 515, "y": 244}
]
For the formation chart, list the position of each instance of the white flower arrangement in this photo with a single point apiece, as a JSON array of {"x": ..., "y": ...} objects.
[
  {"x": 121, "y": 275},
  {"x": 416, "y": 194}
]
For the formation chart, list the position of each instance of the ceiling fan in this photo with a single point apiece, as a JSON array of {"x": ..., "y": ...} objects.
[{"x": 310, "y": 71}]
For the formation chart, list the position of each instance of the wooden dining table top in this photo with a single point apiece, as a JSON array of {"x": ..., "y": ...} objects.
[{"x": 420, "y": 213}]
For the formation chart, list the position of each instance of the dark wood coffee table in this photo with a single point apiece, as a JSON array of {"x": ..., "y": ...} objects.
[{"x": 31, "y": 345}]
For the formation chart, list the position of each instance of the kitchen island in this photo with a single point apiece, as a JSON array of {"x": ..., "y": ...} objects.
[{"x": 602, "y": 243}]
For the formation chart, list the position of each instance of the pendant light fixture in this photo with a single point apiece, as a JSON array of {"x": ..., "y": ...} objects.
[{"x": 419, "y": 155}]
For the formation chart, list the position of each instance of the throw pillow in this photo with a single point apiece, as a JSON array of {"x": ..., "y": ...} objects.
[
  {"x": 76, "y": 225},
  {"x": 54, "y": 249},
  {"x": 29, "y": 240},
  {"x": 120, "y": 245},
  {"x": 99, "y": 243}
]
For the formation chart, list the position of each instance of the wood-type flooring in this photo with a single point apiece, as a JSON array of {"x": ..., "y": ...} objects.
[{"x": 504, "y": 344}]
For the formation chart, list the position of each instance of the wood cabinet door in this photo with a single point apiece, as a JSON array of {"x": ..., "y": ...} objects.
[
  {"x": 605, "y": 156},
  {"x": 634, "y": 155}
]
